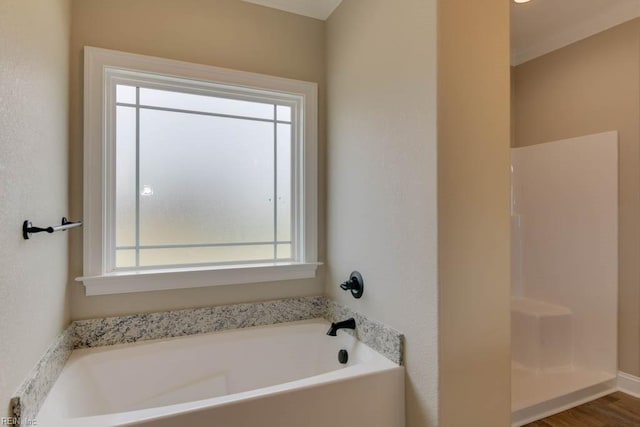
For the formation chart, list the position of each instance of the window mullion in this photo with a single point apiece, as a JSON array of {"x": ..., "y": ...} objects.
[
  {"x": 275, "y": 181},
  {"x": 137, "y": 189}
]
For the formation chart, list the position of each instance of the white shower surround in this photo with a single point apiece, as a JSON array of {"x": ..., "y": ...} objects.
[
  {"x": 564, "y": 255},
  {"x": 283, "y": 375}
]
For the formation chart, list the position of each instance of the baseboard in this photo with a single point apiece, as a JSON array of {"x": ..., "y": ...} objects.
[
  {"x": 562, "y": 403},
  {"x": 629, "y": 384}
]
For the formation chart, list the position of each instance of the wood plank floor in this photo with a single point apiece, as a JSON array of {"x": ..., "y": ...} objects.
[{"x": 615, "y": 410}]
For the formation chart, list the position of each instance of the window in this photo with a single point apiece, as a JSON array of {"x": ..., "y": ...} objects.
[{"x": 195, "y": 175}]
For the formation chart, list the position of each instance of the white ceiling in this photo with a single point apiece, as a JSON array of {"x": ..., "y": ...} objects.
[
  {"x": 541, "y": 26},
  {"x": 319, "y": 9}
]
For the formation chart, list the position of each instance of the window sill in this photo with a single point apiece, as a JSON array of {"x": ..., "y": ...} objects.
[{"x": 181, "y": 278}]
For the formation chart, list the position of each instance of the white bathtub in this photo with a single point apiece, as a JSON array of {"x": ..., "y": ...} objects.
[{"x": 280, "y": 376}]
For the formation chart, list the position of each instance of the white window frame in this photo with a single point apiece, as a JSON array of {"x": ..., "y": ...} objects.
[{"x": 102, "y": 70}]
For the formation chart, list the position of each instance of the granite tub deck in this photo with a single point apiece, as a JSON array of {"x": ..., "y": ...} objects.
[{"x": 150, "y": 326}]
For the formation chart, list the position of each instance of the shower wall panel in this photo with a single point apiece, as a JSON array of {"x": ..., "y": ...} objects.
[{"x": 565, "y": 200}]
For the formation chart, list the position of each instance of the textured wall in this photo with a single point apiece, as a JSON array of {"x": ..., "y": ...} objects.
[
  {"x": 473, "y": 213},
  {"x": 381, "y": 176},
  {"x": 34, "y": 46},
  {"x": 588, "y": 87},
  {"x": 223, "y": 33}
]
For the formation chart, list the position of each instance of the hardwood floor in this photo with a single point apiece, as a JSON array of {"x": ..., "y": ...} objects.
[{"x": 615, "y": 410}]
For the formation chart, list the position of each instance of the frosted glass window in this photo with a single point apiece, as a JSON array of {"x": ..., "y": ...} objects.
[
  {"x": 204, "y": 255},
  {"x": 207, "y": 104},
  {"x": 126, "y": 258},
  {"x": 283, "y": 177},
  {"x": 284, "y": 113},
  {"x": 126, "y": 94},
  {"x": 125, "y": 176},
  {"x": 284, "y": 251},
  {"x": 195, "y": 175},
  {"x": 201, "y": 179}
]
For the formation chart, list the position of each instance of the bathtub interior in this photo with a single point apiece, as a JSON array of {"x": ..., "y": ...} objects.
[{"x": 211, "y": 369}]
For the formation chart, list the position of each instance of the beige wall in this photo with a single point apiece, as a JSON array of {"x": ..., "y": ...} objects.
[
  {"x": 34, "y": 74},
  {"x": 224, "y": 33},
  {"x": 473, "y": 213},
  {"x": 588, "y": 87},
  {"x": 385, "y": 174},
  {"x": 381, "y": 176}
]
